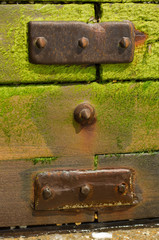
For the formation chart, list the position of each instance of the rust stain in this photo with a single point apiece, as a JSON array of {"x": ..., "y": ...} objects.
[
  {"x": 88, "y": 138},
  {"x": 140, "y": 37}
]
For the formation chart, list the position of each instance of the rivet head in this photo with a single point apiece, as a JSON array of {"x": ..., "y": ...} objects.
[
  {"x": 41, "y": 42},
  {"x": 83, "y": 42},
  {"x": 47, "y": 193},
  {"x": 85, "y": 190},
  {"x": 84, "y": 114},
  {"x": 122, "y": 188},
  {"x": 125, "y": 42}
]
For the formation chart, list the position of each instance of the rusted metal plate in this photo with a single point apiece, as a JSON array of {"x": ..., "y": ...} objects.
[
  {"x": 58, "y": 190},
  {"x": 81, "y": 43}
]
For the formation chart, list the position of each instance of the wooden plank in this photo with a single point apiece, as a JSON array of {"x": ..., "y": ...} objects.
[
  {"x": 91, "y": 1},
  {"x": 17, "y": 179},
  {"x": 145, "y": 64},
  {"x": 17, "y": 197},
  {"x": 37, "y": 121},
  {"x": 14, "y": 64},
  {"x": 146, "y": 167}
]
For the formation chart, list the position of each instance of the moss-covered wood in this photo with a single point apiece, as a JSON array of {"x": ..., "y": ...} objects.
[
  {"x": 37, "y": 121},
  {"x": 14, "y": 64},
  {"x": 145, "y": 64},
  {"x": 91, "y": 1}
]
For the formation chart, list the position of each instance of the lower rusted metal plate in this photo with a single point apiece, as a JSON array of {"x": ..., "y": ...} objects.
[
  {"x": 81, "y": 43},
  {"x": 58, "y": 190}
]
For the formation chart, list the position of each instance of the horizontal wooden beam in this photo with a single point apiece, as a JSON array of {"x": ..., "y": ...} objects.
[
  {"x": 38, "y": 121},
  {"x": 17, "y": 192}
]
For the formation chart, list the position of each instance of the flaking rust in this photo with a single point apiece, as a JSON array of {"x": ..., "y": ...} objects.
[{"x": 140, "y": 37}]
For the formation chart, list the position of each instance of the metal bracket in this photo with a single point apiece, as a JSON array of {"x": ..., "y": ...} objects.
[
  {"x": 81, "y": 43},
  {"x": 59, "y": 190}
]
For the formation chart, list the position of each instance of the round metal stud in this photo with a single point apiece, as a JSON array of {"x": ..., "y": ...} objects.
[
  {"x": 41, "y": 42},
  {"x": 84, "y": 114},
  {"x": 85, "y": 190},
  {"x": 122, "y": 188},
  {"x": 125, "y": 42},
  {"x": 47, "y": 193},
  {"x": 83, "y": 42}
]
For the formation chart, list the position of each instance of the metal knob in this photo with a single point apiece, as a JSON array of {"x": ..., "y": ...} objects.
[
  {"x": 84, "y": 114},
  {"x": 85, "y": 190},
  {"x": 83, "y": 42},
  {"x": 41, "y": 42},
  {"x": 122, "y": 188},
  {"x": 125, "y": 42},
  {"x": 47, "y": 193}
]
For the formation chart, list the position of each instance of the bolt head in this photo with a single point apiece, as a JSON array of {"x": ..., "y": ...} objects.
[
  {"x": 84, "y": 114},
  {"x": 83, "y": 42},
  {"x": 125, "y": 42},
  {"x": 122, "y": 188},
  {"x": 85, "y": 190},
  {"x": 41, "y": 42},
  {"x": 47, "y": 193}
]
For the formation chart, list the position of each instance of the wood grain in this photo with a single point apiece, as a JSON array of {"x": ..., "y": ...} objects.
[
  {"x": 145, "y": 64},
  {"x": 37, "y": 121},
  {"x": 14, "y": 63}
]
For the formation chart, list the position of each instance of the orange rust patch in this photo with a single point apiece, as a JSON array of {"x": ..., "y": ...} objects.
[{"x": 140, "y": 37}]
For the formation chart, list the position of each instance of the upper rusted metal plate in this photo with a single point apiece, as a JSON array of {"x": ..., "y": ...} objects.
[
  {"x": 80, "y": 43},
  {"x": 84, "y": 189}
]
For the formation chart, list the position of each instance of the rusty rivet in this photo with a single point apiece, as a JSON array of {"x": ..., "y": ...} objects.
[
  {"x": 47, "y": 193},
  {"x": 84, "y": 114},
  {"x": 85, "y": 190},
  {"x": 83, "y": 42},
  {"x": 125, "y": 42},
  {"x": 122, "y": 188},
  {"x": 41, "y": 42}
]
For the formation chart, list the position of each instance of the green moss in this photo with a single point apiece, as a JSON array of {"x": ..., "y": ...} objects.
[
  {"x": 125, "y": 110},
  {"x": 47, "y": 160},
  {"x": 15, "y": 66},
  {"x": 145, "y": 64},
  {"x": 95, "y": 162},
  {"x": 16, "y": 109},
  {"x": 91, "y": 1},
  {"x": 41, "y": 117}
]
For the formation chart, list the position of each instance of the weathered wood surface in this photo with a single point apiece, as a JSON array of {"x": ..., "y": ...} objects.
[
  {"x": 37, "y": 121},
  {"x": 91, "y": 1},
  {"x": 145, "y": 64},
  {"x": 146, "y": 168},
  {"x": 17, "y": 178},
  {"x": 14, "y": 63}
]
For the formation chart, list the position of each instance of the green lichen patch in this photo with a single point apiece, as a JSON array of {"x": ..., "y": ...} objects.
[
  {"x": 14, "y": 64},
  {"x": 145, "y": 64}
]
